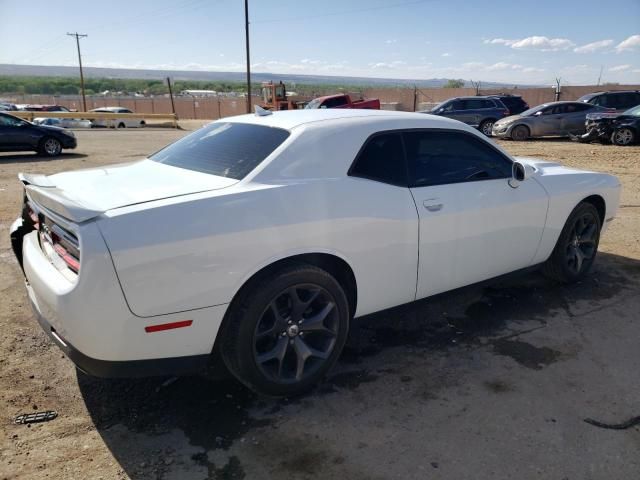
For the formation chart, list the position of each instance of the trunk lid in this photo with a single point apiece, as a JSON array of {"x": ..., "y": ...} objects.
[{"x": 83, "y": 194}]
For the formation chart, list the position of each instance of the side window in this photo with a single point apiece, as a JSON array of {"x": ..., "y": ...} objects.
[
  {"x": 580, "y": 107},
  {"x": 559, "y": 109},
  {"x": 335, "y": 102},
  {"x": 473, "y": 104},
  {"x": 441, "y": 157},
  {"x": 451, "y": 106},
  {"x": 599, "y": 101},
  {"x": 7, "y": 121},
  {"x": 489, "y": 104},
  {"x": 382, "y": 159}
]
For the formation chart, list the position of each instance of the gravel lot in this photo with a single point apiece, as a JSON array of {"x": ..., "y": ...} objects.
[{"x": 487, "y": 382}]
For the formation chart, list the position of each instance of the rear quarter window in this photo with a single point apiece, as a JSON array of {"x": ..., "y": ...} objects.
[{"x": 224, "y": 149}]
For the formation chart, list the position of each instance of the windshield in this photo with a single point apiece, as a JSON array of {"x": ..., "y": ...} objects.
[
  {"x": 533, "y": 110},
  {"x": 635, "y": 111},
  {"x": 315, "y": 103},
  {"x": 223, "y": 149}
]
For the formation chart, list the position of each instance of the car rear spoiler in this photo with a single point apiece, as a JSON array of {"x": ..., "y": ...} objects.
[{"x": 44, "y": 192}]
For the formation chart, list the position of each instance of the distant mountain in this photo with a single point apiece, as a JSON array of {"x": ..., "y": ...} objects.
[{"x": 130, "y": 73}]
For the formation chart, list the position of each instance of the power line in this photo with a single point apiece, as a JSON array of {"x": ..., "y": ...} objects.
[{"x": 78, "y": 37}]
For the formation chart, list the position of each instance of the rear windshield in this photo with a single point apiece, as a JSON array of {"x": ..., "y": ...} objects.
[{"x": 223, "y": 149}]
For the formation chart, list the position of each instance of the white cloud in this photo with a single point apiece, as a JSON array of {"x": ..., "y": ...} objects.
[
  {"x": 502, "y": 66},
  {"x": 389, "y": 65},
  {"x": 446, "y": 54},
  {"x": 499, "y": 41},
  {"x": 620, "y": 68},
  {"x": 535, "y": 42},
  {"x": 390, "y": 41},
  {"x": 630, "y": 43},
  {"x": 593, "y": 46}
]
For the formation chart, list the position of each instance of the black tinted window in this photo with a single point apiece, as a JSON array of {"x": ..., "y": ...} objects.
[
  {"x": 382, "y": 159},
  {"x": 437, "y": 157},
  {"x": 224, "y": 149},
  {"x": 335, "y": 102}
]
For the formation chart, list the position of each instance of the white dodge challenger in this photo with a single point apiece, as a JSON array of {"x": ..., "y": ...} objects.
[{"x": 262, "y": 236}]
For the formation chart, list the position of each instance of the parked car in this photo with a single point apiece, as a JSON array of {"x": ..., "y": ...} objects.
[
  {"x": 123, "y": 122},
  {"x": 620, "y": 100},
  {"x": 63, "y": 122},
  {"x": 620, "y": 129},
  {"x": 514, "y": 103},
  {"x": 479, "y": 112},
  {"x": 283, "y": 227},
  {"x": 45, "y": 108},
  {"x": 548, "y": 119},
  {"x": 343, "y": 101},
  {"x": 7, "y": 107},
  {"x": 17, "y": 135}
]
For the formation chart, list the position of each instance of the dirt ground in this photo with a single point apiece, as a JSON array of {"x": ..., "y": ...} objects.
[{"x": 488, "y": 382}]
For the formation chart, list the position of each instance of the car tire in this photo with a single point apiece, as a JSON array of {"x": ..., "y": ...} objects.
[
  {"x": 577, "y": 246},
  {"x": 50, "y": 146},
  {"x": 143, "y": 124},
  {"x": 487, "y": 126},
  {"x": 284, "y": 332},
  {"x": 520, "y": 133},
  {"x": 623, "y": 137},
  {"x": 121, "y": 125}
]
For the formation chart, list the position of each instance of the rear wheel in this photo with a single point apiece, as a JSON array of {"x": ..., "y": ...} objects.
[
  {"x": 486, "y": 126},
  {"x": 285, "y": 332},
  {"x": 49, "y": 146},
  {"x": 623, "y": 137},
  {"x": 577, "y": 245},
  {"x": 520, "y": 133},
  {"x": 122, "y": 125}
]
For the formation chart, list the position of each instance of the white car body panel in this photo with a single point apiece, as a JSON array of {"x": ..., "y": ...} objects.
[
  {"x": 161, "y": 243},
  {"x": 481, "y": 230}
]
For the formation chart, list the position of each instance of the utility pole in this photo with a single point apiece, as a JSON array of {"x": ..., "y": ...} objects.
[
  {"x": 600, "y": 75},
  {"x": 173, "y": 106},
  {"x": 78, "y": 37},
  {"x": 246, "y": 30}
]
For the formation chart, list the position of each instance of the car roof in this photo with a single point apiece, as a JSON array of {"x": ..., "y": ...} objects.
[{"x": 291, "y": 119}]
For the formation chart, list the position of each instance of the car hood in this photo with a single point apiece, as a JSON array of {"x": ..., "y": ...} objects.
[
  {"x": 51, "y": 128},
  {"x": 82, "y": 194},
  {"x": 509, "y": 119}
]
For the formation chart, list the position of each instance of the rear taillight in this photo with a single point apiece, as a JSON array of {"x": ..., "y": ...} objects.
[
  {"x": 506, "y": 112},
  {"x": 58, "y": 243}
]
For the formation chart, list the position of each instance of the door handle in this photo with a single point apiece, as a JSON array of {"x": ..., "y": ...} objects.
[{"x": 432, "y": 205}]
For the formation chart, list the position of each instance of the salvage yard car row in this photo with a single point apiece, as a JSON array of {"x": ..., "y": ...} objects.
[{"x": 491, "y": 116}]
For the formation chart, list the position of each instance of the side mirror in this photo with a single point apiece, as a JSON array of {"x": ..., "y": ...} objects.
[{"x": 519, "y": 173}]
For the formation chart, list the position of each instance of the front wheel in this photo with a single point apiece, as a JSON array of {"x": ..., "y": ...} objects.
[
  {"x": 51, "y": 147},
  {"x": 577, "y": 245},
  {"x": 520, "y": 133},
  {"x": 623, "y": 137},
  {"x": 285, "y": 332}
]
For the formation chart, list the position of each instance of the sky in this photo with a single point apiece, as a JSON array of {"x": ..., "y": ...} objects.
[{"x": 525, "y": 42}]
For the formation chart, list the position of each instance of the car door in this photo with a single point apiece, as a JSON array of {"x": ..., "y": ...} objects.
[
  {"x": 549, "y": 120},
  {"x": 16, "y": 134},
  {"x": 473, "y": 224},
  {"x": 573, "y": 121},
  {"x": 453, "y": 109},
  {"x": 474, "y": 111}
]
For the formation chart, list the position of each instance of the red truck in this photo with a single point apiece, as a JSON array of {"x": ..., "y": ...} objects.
[{"x": 343, "y": 101}]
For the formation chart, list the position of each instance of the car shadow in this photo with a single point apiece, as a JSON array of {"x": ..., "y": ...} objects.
[
  {"x": 154, "y": 417},
  {"x": 36, "y": 157}
]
